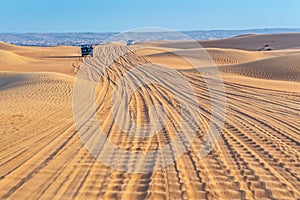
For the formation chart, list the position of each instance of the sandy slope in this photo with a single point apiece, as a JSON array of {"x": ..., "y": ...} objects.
[
  {"x": 171, "y": 57},
  {"x": 257, "y": 155},
  {"x": 279, "y": 68},
  {"x": 10, "y": 58},
  {"x": 36, "y": 59}
]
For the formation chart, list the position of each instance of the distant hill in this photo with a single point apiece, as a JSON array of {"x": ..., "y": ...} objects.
[{"x": 74, "y": 39}]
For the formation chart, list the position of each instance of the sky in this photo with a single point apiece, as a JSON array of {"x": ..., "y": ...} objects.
[{"x": 122, "y": 15}]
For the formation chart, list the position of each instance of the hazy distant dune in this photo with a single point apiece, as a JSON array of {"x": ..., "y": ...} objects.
[{"x": 246, "y": 42}]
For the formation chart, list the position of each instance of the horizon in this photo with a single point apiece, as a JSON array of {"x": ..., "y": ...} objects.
[
  {"x": 78, "y": 38},
  {"x": 209, "y": 30}
]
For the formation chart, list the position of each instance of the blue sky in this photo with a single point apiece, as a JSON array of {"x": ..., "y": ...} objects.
[{"x": 121, "y": 15}]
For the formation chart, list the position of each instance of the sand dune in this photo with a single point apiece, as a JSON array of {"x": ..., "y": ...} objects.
[
  {"x": 24, "y": 95},
  {"x": 246, "y": 42},
  {"x": 174, "y": 58},
  {"x": 256, "y": 157},
  {"x": 38, "y": 59},
  {"x": 9, "y": 47},
  {"x": 276, "y": 65},
  {"x": 10, "y": 58},
  {"x": 280, "y": 68}
]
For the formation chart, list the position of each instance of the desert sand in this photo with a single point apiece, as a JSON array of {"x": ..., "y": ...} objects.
[{"x": 256, "y": 157}]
